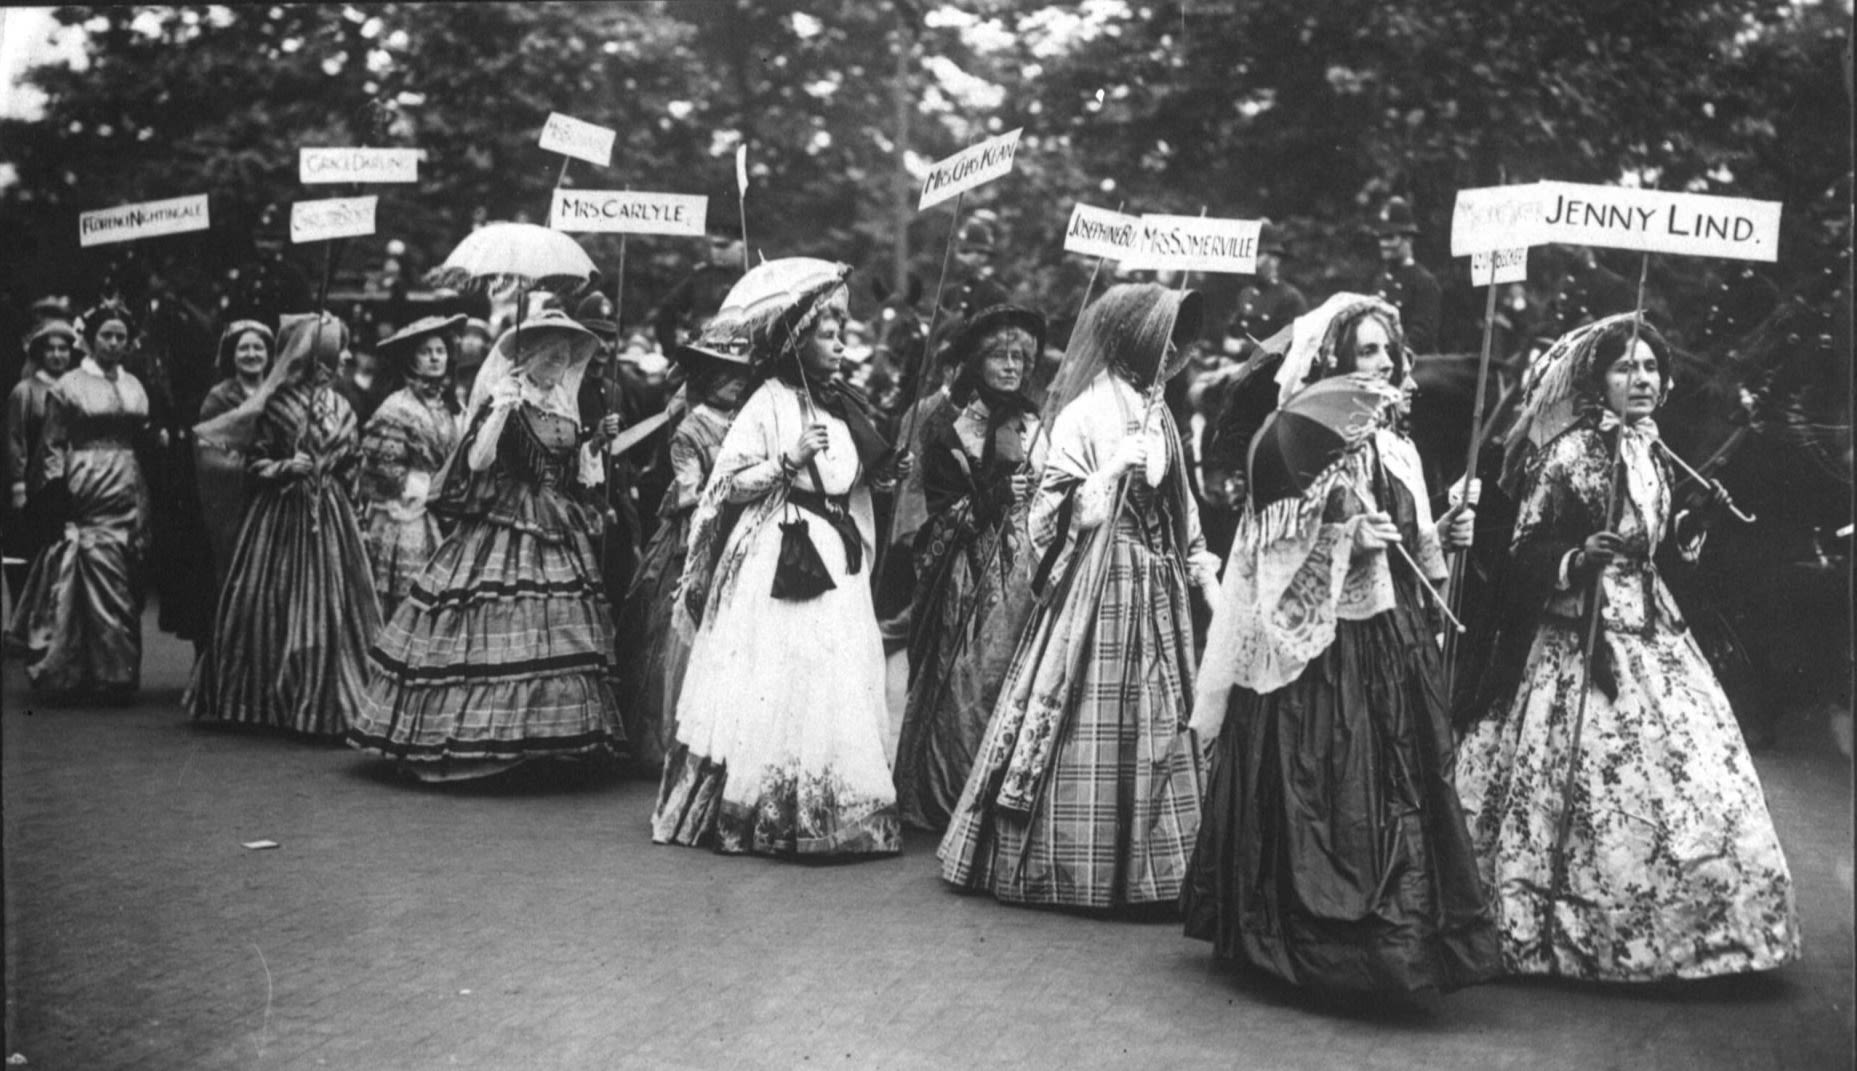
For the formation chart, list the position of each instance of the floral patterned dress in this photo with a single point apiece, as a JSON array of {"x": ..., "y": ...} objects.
[{"x": 1672, "y": 868}]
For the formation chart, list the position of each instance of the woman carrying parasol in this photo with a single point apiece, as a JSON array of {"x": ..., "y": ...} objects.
[
  {"x": 502, "y": 651},
  {"x": 1085, "y": 792},
  {"x": 296, "y": 613},
  {"x": 1334, "y": 853},
  {"x": 1618, "y": 821},
  {"x": 779, "y": 747}
]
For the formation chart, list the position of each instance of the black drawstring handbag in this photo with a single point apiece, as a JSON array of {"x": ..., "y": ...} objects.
[{"x": 799, "y": 572}]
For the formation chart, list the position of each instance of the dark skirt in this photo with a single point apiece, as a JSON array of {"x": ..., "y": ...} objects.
[{"x": 1333, "y": 851}]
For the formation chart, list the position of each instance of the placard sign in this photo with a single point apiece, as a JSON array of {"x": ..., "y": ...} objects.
[
  {"x": 337, "y": 217},
  {"x": 583, "y": 141},
  {"x": 1499, "y": 266},
  {"x": 357, "y": 165},
  {"x": 126, "y": 223},
  {"x": 1196, "y": 243},
  {"x": 972, "y": 166},
  {"x": 1098, "y": 232},
  {"x": 1653, "y": 221},
  {"x": 1497, "y": 217},
  {"x": 628, "y": 212}
]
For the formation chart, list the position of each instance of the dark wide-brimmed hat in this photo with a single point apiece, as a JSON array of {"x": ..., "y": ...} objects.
[
  {"x": 1395, "y": 218},
  {"x": 403, "y": 342},
  {"x": 988, "y": 320}
]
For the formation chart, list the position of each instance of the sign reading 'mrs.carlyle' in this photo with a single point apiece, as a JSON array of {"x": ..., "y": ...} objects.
[
  {"x": 1654, "y": 221},
  {"x": 337, "y": 217},
  {"x": 629, "y": 212},
  {"x": 968, "y": 168},
  {"x": 1098, "y": 232},
  {"x": 358, "y": 165},
  {"x": 126, "y": 223}
]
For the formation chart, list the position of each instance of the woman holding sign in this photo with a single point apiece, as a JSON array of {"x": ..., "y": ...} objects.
[
  {"x": 406, "y": 443},
  {"x": 779, "y": 746},
  {"x": 80, "y": 613},
  {"x": 1334, "y": 853},
  {"x": 297, "y": 612},
  {"x": 1667, "y": 865},
  {"x": 1085, "y": 792}
]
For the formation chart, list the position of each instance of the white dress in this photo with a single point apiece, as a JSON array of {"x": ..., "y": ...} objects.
[{"x": 779, "y": 744}]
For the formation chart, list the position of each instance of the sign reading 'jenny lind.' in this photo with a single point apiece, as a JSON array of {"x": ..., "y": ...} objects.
[
  {"x": 336, "y": 217},
  {"x": 629, "y": 212},
  {"x": 581, "y": 140},
  {"x": 358, "y": 165},
  {"x": 972, "y": 166},
  {"x": 1098, "y": 232},
  {"x": 1655, "y": 221},
  {"x": 1196, "y": 243},
  {"x": 149, "y": 219}
]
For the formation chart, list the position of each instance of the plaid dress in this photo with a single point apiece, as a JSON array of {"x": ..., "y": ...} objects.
[{"x": 1086, "y": 792}]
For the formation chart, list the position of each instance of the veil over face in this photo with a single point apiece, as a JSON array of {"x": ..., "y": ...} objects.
[{"x": 1129, "y": 328}]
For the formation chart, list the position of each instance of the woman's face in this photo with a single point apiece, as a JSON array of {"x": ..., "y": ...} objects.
[
  {"x": 55, "y": 355},
  {"x": 727, "y": 392},
  {"x": 110, "y": 343},
  {"x": 1007, "y": 354},
  {"x": 545, "y": 372},
  {"x": 1373, "y": 350},
  {"x": 824, "y": 349},
  {"x": 431, "y": 358},
  {"x": 250, "y": 355},
  {"x": 1634, "y": 383}
]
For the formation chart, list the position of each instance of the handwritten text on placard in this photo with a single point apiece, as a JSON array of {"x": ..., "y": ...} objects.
[
  {"x": 1653, "y": 221},
  {"x": 629, "y": 212},
  {"x": 1196, "y": 243},
  {"x": 125, "y": 223},
  {"x": 583, "y": 141},
  {"x": 1497, "y": 217},
  {"x": 1499, "y": 266},
  {"x": 337, "y": 217},
  {"x": 968, "y": 168},
  {"x": 358, "y": 165},
  {"x": 1098, "y": 232}
]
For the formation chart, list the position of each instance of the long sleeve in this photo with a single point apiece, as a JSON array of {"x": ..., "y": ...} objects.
[
  {"x": 55, "y": 438},
  {"x": 689, "y": 471},
  {"x": 18, "y": 434}
]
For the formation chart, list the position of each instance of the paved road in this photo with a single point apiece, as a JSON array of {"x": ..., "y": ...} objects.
[{"x": 400, "y": 926}]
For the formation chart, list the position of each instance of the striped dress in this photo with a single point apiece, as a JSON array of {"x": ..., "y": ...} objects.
[
  {"x": 297, "y": 612},
  {"x": 406, "y": 442},
  {"x": 502, "y": 651}
]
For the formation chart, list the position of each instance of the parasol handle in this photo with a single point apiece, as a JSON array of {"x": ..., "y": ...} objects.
[
  {"x": 1714, "y": 485},
  {"x": 1424, "y": 581}
]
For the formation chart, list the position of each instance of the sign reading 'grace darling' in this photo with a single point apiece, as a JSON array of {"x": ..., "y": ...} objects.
[
  {"x": 1098, "y": 232},
  {"x": 1653, "y": 221},
  {"x": 627, "y": 212},
  {"x": 337, "y": 217},
  {"x": 126, "y": 223},
  {"x": 968, "y": 168},
  {"x": 1196, "y": 243},
  {"x": 358, "y": 165},
  {"x": 581, "y": 140}
]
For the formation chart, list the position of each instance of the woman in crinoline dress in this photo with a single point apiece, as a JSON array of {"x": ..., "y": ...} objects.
[
  {"x": 1668, "y": 866},
  {"x": 654, "y": 642},
  {"x": 296, "y": 613},
  {"x": 980, "y": 460},
  {"x": 779, "y": 747},
  {"x": 79, "y": 616},
  {"x": 1085, "y": 792},
  {"x": 1334, "y": 853},
  {"x": 405, "y": 443},
  {"x": 51, "y": 349},
  {"x": 502, "y": 651}
]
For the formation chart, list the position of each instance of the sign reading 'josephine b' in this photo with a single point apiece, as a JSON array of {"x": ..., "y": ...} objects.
[
  {"x": 126, "y": 223},
  {"x": 1098, "y": 232},
  {"x": 337, "y": 217},
  {"x": 629, "y": 212},
  {"x": 972, "y": 166}
]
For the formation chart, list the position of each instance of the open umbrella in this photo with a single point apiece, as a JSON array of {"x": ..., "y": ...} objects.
[
  {"x": 501, "y": 257},
  {"x": 1300, "y": 451}
]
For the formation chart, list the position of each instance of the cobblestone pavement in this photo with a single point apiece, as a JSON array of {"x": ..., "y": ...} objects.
[{"x": 536, "y": 926}]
